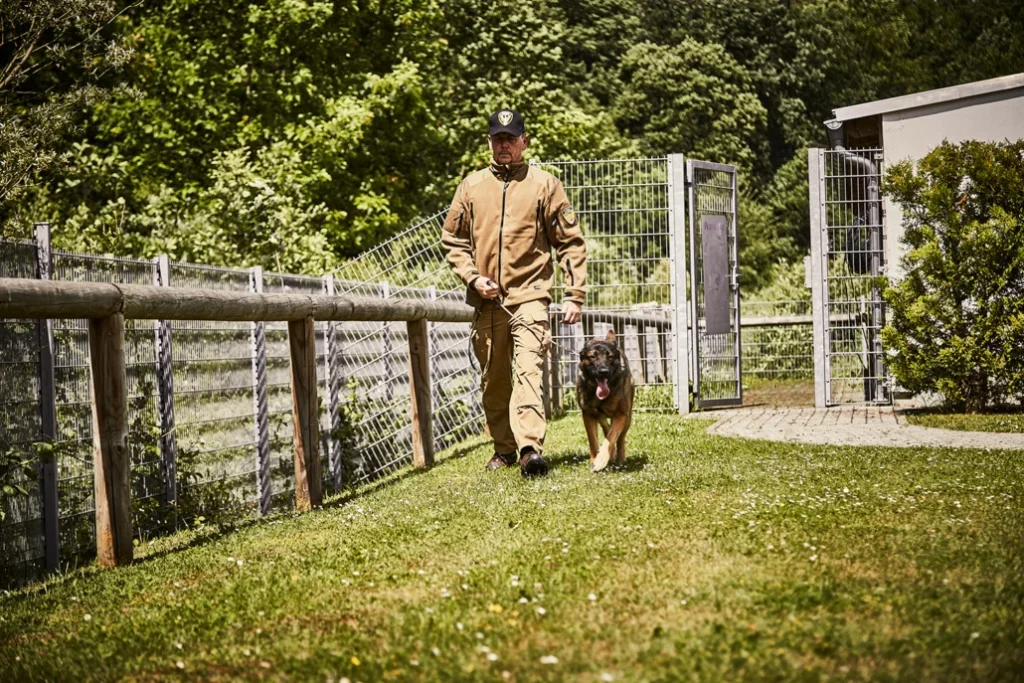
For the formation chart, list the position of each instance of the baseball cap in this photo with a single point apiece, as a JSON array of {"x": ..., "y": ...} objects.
[{"x": 506, "y": 121}]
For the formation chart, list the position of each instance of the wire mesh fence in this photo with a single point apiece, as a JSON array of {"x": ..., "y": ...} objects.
[
  {"x": 374, "y": 356},
  {"x": 853, "y": 307},
  {"x": 778, "y": 353},
  {"x": 623, "y": 205},
  {"x": 21, "y": 532},
  {"x": 210, "y": 412},
  {"x": 212, "y": 389}
]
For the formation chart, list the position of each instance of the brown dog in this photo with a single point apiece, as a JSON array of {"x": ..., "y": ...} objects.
[{"x": 604, "y": 392}]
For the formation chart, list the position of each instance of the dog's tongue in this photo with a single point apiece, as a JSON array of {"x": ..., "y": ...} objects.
[{"x": 603, "y": 390}]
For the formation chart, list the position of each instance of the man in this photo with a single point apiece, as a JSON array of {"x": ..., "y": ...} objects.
[{"x": 499, "y": 232}]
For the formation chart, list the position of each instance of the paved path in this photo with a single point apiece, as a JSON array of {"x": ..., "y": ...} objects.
[{"x": 847, "y": 426}]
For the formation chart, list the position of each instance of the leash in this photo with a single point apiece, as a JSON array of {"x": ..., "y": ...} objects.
[
  {"x": 512, "y": 316},
  {"x": 515, "y": 316}
]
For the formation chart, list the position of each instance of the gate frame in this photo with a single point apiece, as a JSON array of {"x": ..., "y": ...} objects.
[
  {"x": 694, "y": 336},
  {"x": 677, "y": 213},
  {"x": 820, "y": 297}
]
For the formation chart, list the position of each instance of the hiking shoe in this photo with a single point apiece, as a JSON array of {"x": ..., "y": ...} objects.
[
  {"x": 499, "y": 460},
  {"x": 531, "y": 463}
]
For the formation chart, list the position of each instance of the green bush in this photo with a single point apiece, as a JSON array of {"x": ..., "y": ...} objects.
[{"x": 957, "y": 317}]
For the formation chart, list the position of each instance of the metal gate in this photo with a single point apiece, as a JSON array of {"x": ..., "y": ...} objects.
[
  {"x": 635, "y": 213},
  {"x": 847, "y": 258},
  {"x": 714, "y": 285}
]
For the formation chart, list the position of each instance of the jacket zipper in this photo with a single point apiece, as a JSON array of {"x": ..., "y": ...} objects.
[
  {"x": 472, "y": 242},
  {"x": 501, "y": 228},
  {"x": 536, "y": 225}
]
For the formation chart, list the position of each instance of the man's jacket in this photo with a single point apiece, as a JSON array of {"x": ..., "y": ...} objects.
[{"x": 502, "y": 224}]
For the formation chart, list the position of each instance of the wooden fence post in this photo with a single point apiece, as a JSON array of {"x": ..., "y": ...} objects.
[
  {"x": 110, "y": 441},
  {"x": 165, "y": 390},
  {"x": 333, "y": 381},
  {"x": 48, "y": 409},
  {"x": 305, "y": 418},
  {"x": 261, "y": 410},
  {"x": 419, "y": 391}
]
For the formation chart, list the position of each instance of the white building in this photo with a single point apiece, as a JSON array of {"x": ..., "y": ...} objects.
[
  {"x": 910, "y": 126},
  {"x": 856, "y": 233}
]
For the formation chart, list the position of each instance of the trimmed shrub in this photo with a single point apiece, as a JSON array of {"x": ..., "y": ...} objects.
[{"x": 957, "y": 317}]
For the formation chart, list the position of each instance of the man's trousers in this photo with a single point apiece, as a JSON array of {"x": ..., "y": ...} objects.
[{"x": 511, "y": 351}]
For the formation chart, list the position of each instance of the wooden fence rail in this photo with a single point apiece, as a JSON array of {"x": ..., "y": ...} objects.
[{"x": 107, "y": 306}]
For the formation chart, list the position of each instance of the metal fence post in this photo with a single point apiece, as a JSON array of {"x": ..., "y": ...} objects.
[
  {"x": 333, "y": 380},
  {"x": 48, "y": 409},
  {"x": 680, "y": 305},
  {"x": 165, "y": 389},
  {"x": 433, "y": 332},
  {"x": 259, "y": 399},
  {"x": 819, "y": 266},
  {"x": 386, "y": 353}
]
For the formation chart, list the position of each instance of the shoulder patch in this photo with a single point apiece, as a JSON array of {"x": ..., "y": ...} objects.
[{"x": 569, "y": 216}]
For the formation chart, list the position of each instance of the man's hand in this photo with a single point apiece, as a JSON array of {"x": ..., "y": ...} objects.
[
  {"x": 571, "y": 312},
  {"x": 487, "y": 288}
]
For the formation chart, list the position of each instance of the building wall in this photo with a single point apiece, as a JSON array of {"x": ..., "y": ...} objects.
[{"x": 912, "y": 133}]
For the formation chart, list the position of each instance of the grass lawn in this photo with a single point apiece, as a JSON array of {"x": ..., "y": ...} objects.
[
  {"x": 705, "y": 558},
  {"x": 1011, "y": 422}
]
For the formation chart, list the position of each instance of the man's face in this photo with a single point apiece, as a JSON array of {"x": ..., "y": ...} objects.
[{"x": 508, "y": 149}]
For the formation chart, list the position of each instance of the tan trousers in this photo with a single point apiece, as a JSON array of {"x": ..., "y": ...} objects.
[{"x": 511, "y": 353}]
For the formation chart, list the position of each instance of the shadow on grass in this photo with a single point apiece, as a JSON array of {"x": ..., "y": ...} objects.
[
  {"x": 458, "y": 453},
  {"x": 634, "y": 463},
  {"x": 205, "y": 536}
]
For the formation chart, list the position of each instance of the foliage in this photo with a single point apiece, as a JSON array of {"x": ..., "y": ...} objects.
[
  {"x": 691, "y": 96},
  {"x": 787, "y": 282},
  {"x": 54, "y": 60},
  {"x": 778, "y": 359},
  {"x": 740, "y": 557},
  {"x": 774, "y": 224},
  {"x": 294, "y": 134},
  {"x": 17, "y": 475},
  {"x": 957, "y": 324}
]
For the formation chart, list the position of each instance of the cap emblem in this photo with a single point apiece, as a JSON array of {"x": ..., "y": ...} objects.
[{"x": 504, "y": 117}]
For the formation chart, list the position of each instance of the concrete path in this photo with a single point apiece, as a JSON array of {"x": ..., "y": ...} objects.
[{"x": 847, "y": 426}]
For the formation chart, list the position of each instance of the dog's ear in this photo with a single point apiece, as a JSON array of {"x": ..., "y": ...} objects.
[{"x": 610, "y": 337}]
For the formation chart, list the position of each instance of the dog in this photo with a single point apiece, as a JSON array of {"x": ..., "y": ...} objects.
[{"x": 604, "y": 392}]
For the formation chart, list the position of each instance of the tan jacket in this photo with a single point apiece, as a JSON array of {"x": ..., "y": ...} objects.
[{"x": 502, "y": 224}]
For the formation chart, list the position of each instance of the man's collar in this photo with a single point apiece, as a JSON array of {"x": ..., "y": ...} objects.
[{"x": 509, "y": 171}]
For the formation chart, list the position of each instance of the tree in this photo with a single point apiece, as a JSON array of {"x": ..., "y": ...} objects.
[
  {"x": 692, "y": 97},
  {"x": 274, "y": 134},
  {"x": 54, "y": 57},
  {"x": 957, "y": 317}
]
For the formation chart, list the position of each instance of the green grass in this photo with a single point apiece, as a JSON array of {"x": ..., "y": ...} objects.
[
  {"x": 705, "y": 558},
  {"x": 1010, "y": 422}
]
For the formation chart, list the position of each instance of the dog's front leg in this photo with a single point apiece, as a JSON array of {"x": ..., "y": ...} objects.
[
  {"x": 620, "y": 423},
  {"x": 620, "y": 446},
  {"x": 591, "y": 426}
]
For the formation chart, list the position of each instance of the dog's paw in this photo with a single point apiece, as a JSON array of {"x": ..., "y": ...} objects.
[{"x": 604, "y": 456}]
